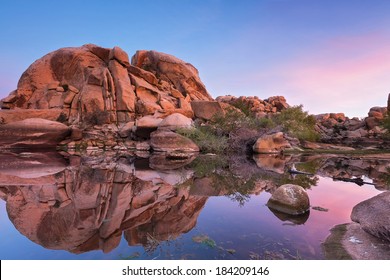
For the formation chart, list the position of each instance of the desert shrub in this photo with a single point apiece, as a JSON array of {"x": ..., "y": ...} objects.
[
  {"x": 231, "y": 132},
  {"x": 207, "y": 141},
  {"x": 297, "y": 123},
  {"x": 243, "y": 107},
  {"x": 232, "y": 121},
  {"x": 386, "y": 123}
]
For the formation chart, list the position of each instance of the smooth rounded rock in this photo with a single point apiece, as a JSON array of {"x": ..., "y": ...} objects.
[
  {"x": 373, "y": 215},
  {"x": 290, "y": 199},
  {"x": 175, "y": 121}
]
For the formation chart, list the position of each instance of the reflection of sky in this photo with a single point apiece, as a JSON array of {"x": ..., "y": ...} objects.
[
  {"x": 248, "y": 228},
  {"x": 313, "y": 52},
  {"x": 338, "y": 197}
]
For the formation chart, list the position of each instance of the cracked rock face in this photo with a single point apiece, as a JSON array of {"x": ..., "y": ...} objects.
[{"x": 95, "y": 84}]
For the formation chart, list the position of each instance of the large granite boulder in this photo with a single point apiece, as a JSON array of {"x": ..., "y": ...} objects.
[
  {"x": 373, "y": 215},
  {"x": 175, "y": 121},
  {"x": 273, "y": 143},
  {"x": 290, "y": 199},
  {"x": 91, "y": 85},
  {"x": 168, "y": 141},
  {"x": 206, "y": 109},
  {"x": 33, "y": 132}
]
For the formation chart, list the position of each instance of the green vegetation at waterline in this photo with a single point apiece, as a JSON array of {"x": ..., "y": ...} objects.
[{"x": 238, "y": 129}]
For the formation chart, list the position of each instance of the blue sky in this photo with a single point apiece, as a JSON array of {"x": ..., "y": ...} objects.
[{"x": 328, "y": 55}]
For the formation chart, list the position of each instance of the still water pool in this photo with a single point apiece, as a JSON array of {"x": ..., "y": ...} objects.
[{"x": 128, "y": 210}]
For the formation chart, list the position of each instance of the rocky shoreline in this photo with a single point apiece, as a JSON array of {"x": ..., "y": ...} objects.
[{"x": 91, "y": 97}]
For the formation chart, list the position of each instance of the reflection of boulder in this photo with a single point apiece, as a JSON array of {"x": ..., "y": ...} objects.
[
  {"x": 175, "y": 216},
  {"x": 170, "y": 161},
  {"x": 295, "y": 219},
  {"x": 21, "y": 168},
  {"x": 275, "y": 163},
  {"x": 343, "y": 167},
  {"x": 206, "y": 187},
  {"x": 33, "y": 132},
  {"x": 88, "y": 208}
]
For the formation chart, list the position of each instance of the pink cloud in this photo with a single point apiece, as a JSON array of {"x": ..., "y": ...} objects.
[{"x": 345, "y": 74}]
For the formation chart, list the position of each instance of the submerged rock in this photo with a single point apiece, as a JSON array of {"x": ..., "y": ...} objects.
[{"x": 290, "y": 199}]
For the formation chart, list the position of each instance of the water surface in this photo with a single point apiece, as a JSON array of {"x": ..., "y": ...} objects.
[{"x": 56, "y": 207}]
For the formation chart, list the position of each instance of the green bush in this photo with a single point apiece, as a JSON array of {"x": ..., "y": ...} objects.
[
  {"x": 234, "y": 132},
  {"x": 386, "y": 123},
  {"x": 243, "y": 107},
  {"x": 297, "y": 123},
  {"x": 232, "y": 121},
  {"x": 206, "y": 140}
]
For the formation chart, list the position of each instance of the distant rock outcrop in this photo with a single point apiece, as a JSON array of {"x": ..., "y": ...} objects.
[
  {"x": 255, "y": 105},
  {"x": 336, "y": 128}
]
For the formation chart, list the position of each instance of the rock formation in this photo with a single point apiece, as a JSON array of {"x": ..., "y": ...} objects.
[
  {"x": 111, "y": 101},
  {"x": 255, "y": 105},
  {"x": 94, "y": 82},
  {"x": 336, "y": 128}
]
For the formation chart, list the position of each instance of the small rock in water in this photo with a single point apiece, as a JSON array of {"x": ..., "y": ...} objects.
[{"x": 319, "y": 208}]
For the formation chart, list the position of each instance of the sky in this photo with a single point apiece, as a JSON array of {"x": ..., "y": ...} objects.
[{"x": 328, "y": 55}]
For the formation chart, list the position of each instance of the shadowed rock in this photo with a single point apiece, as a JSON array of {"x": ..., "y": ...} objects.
[
  {"x": 273, "y": 143},
  {"x": 168, "y": 141},
  {"x": 33, "y": 132},
  {"x": 373, "y": 215}
]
